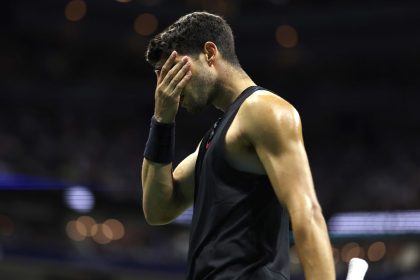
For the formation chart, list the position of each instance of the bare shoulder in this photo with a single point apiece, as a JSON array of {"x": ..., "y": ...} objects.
[{"x": 265, "y": 114}]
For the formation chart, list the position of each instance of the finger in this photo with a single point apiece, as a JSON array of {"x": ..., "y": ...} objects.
[
  {"x": 167, "y": 66},
  {"x": 178, "y": 77},
  {"x": 180, "y": 86},
  {"x": 175, "y": 69}
]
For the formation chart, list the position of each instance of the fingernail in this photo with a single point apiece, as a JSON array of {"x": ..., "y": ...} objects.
[{"x": 174, "y": 53}]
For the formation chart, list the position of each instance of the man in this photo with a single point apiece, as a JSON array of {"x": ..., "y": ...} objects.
[{"x": 250, "y": 172}]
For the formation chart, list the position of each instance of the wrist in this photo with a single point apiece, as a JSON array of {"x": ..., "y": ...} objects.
[
  {"x": 163, "y": 120},
  {"x": 160, "y": 146}
]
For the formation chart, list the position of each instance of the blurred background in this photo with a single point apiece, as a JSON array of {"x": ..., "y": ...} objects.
[{"x": 76, "y": 97}]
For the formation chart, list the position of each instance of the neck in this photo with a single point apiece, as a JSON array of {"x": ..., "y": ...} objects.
[{"x": 231, "y": 84}]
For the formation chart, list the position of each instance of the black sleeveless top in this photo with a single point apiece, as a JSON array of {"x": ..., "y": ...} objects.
[{"x": 239, "y": 229}]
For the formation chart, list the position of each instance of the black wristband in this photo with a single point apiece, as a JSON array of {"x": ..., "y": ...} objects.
[{"x": 160, "y": 146}]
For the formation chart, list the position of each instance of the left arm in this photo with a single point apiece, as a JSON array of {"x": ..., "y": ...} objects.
[{"x": 274, "y": 129}]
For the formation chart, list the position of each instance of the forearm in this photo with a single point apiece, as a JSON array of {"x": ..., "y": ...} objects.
[
  {"x": 160, "y": 201},
  {"x": 314, "y": 247},
  {"x": 157, "y": 191}
]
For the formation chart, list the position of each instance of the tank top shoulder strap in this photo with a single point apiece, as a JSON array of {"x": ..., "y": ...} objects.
[
  {"x": 241, "y": 98},
  {"x": 233, "y": 109}
]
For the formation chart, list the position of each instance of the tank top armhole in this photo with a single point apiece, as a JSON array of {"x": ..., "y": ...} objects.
[{"x": 223, "y": 165}]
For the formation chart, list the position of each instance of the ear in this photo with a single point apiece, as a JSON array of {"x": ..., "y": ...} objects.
[{"x": 211, "y": 52}]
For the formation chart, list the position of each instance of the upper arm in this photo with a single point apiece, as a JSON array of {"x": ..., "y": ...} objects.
[{"x": 274, "y": 129}]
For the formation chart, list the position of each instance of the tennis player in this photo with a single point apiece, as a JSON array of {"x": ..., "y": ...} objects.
[{"x": 249, "y": 175}]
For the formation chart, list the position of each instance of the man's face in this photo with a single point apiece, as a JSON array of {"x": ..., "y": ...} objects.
[{"x": 198, "y": 92}]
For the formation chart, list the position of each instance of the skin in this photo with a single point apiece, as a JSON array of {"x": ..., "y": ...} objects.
[{"x": 264, "y": 138}]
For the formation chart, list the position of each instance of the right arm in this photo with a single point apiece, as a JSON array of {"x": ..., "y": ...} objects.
[{"x": 167, "y": 194}]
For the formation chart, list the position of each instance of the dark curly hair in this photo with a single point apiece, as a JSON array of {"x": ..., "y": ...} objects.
[{"x": 188, "y": 36}]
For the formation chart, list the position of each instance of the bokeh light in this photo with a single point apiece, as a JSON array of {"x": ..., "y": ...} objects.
[
  {"x": 76, "y": 231},
  {"x": 351, "y": 250},
  {"x": 88, "y": 223},
  {"x": 117, "y": 228},
  {"x": 102, "y": 233},
  {"x": 376, "y": 251},
  {"x": 81, "y": 229},
  {"x": 145, "y": 24},
  {"x": 286, "y": 36},
  {"x": 79, "y": 198},
  {"x": 75, "y": 10}
]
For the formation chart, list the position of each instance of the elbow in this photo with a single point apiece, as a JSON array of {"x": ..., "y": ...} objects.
[
  {"x": 155, "y": 220},
  {"x": 306, "y": 219},
  {"x": 316, "y": 213}
]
